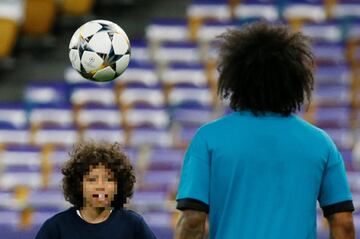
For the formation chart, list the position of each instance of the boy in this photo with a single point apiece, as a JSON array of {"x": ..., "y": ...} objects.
[{"x": 98, "y": 179}]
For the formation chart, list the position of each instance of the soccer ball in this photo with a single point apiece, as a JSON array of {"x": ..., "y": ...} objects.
[{"x": 100, "y": 50}]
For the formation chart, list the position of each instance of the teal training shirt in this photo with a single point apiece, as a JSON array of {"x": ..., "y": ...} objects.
[{"x": 261, "y": 177}]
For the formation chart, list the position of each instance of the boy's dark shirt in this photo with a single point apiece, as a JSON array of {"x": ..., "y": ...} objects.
[{"x": 121, "y": 224}]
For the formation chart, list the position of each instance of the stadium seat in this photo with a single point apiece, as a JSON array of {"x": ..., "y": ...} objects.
[
  {"x": 332, "y": 117},
  {"x": 51, "y": 115},
  {"x": 305, "y": 10},
  {"x": 93, "y": 94},
  {"x": 329, "y": 53},
  {"x": 192, "y": 114},
  {"x": 177, "y": 53},
  {"x": 39, "y": 16},
  {"x": 13, "y": 115},
  {"x": 162, "y": 30},
  {"x": 333, "y": 74},
  {"x": 139, "y": 73},
  {"x": 140, "y": 52},
  {"x": 329, "y": 31},
  {"x": 135, "y": 94},
  {"x": 91, "y": 116},
  {"x": 342, "y": 137},
  {"x": 8, "y": 36},
  {"x": 14, "y": 136},
  {"x": 267, "y": 10},
  {"x": 345, "y": 9},
  {"x": 184, "y": 74},
  {"x": 46, "y": 93},
  {"x": 332, "y": 96},
  {"x": 77, "y": 8},
  {"x": 185, "y": 94},
  {"x": 139, "y": 116},
  {"x": 161, "y": 158},
  {"x": 141, "y": 136},
  {"x": 57, "y": 136},
  {"x": 105, "y": 134}
]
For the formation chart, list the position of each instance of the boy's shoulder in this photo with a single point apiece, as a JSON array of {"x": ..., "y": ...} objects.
[{"x": 128, "y": 214}]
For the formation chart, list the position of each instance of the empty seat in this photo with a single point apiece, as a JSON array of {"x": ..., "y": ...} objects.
[
  {"x": 313, "y": 10},
  {"x": 150, "y": 136},
  {"x": 13, "y": 115},
  {"x": 139, "y": 73},
  {"x": 140, "y": 52},
  {"x": 55, "y": 115},
  {"x": 55, "y": 136},
  {"x": 192, "y": 114},
  {"x": 46, "y": 93},
  {"x": 165, "y": 158},
  {"x": 177, "y": 53},
  {"x": 327, "y": 52},
  {"x": 93, "y": 94},
  {"x": 164, "y": 30},
  {"x": 147, "y": 116},
  {"x": 330, "y": 31},
  {"x": 39, "y": 16},
  {"x": 184, "y": 74},
  {"x": 135, "y": 94},
  {"x": 98, "y": 116},
  {"x": 189, "y": 94},
  {"x": 337, "y": 95},
  {"x": 330, "y": 74},
  {"x": 205, "y": 9},
  {"x": 264, "y": 9},
  {"x": 345, "y": 8},
  {"x": 77, "y": 8},
  {"x": 105, "y": 134}
]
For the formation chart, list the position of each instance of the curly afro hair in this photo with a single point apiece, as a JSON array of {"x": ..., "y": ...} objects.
[
  {"x": 88, "y": 154},
  {"x": 265, "y": 68}
]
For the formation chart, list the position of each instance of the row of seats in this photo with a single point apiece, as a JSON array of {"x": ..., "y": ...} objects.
[{"x": 34, "y": 18}]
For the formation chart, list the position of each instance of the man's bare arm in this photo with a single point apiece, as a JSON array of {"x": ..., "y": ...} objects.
[
  {"x": 191, "y": 225},
  {"x": 341, "y": 226}
]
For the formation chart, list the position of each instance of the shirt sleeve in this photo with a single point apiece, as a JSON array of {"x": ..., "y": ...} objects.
[
  {"x": 194, "y": 187},
  {"x": 143, "y": 231},
  {"x": 47, "y": 230},
  {"x": 335, "y": 195}
]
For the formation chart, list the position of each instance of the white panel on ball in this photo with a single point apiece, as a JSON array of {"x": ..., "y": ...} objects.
[
  {"x": 89, "y": 29},
  {"x": 100, "y": 43},
  {"x": 75, "y": 59},
  {"x": 122, "y": 64},
  {"x": 75, "y": 40},
  {"x": 119, "y": 44},
  {"x": 105, "y": 74},
  {"x": 91, "y": 61}
]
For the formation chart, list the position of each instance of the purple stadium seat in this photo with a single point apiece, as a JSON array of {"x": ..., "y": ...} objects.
[
  {"x": 167, "y": 30},
  {"x": 50, "y": 114},
  {"x": 61, "y": 136},
  {"x": 147, "y": 116},
  {"x": 330, "y": 31},
  {"x": 47, "y": 200},
  {"x": 150, "y": 136},
  {"x": 139, "y": 73},
  {"x": 189, "y": 94},
  {"x": 337, "y": 95},
  {"x": 165, "y": 159},
  {"x": 330, "y": 74},
  {"x": 192, "y": 114},
  {"x": 105, "y": 134},
  {"x": 209, "y": 9},
  {"x": 313, "y": 10},
  {"x": 346, "y": 8},
  {"x": 86, "y": 94},
  {"x": 105, "y": 116},
  {"x": 331, "y": 53},
  {"x": 336, "y": 117},
  {"x": 165, "y": 178},
  {"x": 135, "y": 94},
  {"x": 140, "y": 52},
  {"x": 342, "y": 137},
  {"x": 177, "y": 53},
  {"x": 10, "y": 135},
  {"x": 267, "y": 10},
  {"x": 13, "y": 115},
  {"x": 149, "y": 200},
  {"x": 46, "y": 93},
  {"x": 160, "y": 223},
  {"x": 184, "y": 74}
]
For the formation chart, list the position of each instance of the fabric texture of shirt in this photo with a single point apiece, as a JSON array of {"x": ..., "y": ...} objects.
[
  {"x": 120, "y": 224},
  {"x": 261, "y": 177}
]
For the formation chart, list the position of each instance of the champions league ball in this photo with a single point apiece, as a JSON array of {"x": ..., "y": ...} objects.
[{"x": 100, "y": 50}]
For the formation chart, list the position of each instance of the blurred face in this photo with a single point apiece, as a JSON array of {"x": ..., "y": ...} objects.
[{"x": 99, "y": 187}]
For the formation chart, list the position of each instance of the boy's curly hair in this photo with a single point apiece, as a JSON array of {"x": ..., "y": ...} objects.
[
  {"x": 88, "y": 154},
  {"x": 265, "y": 68}
]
